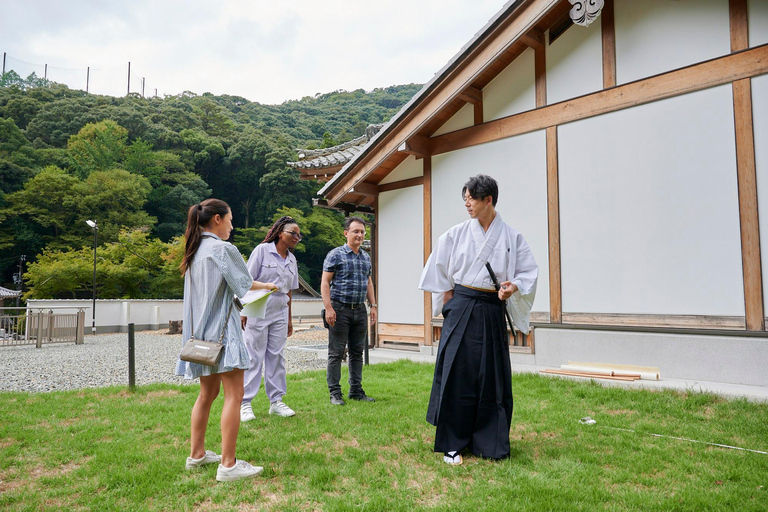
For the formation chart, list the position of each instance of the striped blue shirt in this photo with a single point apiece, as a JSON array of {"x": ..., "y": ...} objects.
[
  {"x": 217, "y": 273},
  {"x": 350, "y": 274}
]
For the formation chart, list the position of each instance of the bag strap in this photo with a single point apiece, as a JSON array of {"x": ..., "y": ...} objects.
[{"x": 191, "y": 308}]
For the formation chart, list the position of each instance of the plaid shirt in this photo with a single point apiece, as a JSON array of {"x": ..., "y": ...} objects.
[{"x": 350, "y": 274}]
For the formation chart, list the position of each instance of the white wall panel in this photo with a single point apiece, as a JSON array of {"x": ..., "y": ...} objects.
[
  {"x": 655, "y": 36},
  {"x": 757, "y": 11},
  {"x": 575, "y": 63},
  {"x": 401, "y": 249},
  {"x": 408, "y": 168},
  {"x": 760, "y": 122},
  {"x": 649, "y": 209},
  {"x": 464, "y": 118},
  {"x": 519, "y": 165},
  {"x": 513, "y": 90}
]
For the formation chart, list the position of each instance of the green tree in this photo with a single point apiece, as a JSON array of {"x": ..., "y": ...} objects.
[{"x": 97, "y": 147}]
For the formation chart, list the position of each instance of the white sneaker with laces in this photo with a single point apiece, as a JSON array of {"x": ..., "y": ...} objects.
[
  {"x": 209, "y": 458},
  {"x": 246, "y": 412},
  {"x": 239, "y": 471},
  {"x": 281, "y": 409}
]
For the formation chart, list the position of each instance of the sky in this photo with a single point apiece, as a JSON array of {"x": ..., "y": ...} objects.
[{"x": 265, "y": 51}]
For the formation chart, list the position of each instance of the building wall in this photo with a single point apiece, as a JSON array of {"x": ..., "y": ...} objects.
[
  {"x": 575, "y": 63},
  {"x": 512, "y": 91},
  {"x": 731, "y": 359},
  {"x": 464, "y": 118},
  {"x": 757, "y": 12},
  {"x": 655, "y": 36},
  {"x": 519, "y": 166},
  {"x": 408, "y": 168},
  {"x": 400, "y": 255}
]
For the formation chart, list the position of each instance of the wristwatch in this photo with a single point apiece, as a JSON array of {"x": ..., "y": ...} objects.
[{"x": 373, "y": 306}]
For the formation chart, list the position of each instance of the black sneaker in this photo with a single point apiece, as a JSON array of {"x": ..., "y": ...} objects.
[
  {"x": 336, "y": 399},
  {"x": 361, "y": 397}
]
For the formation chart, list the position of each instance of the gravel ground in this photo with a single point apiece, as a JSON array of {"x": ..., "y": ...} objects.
[{"x": 102, "y": 360}]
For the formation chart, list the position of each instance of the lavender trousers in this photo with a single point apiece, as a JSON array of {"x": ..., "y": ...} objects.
[{"x": 265, "y": 340}]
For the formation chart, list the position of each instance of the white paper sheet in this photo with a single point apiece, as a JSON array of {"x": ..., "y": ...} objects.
[{"x": 255, "y": 303}]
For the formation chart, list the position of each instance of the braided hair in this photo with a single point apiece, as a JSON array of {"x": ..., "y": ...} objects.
[
  {"x": 277, "y": 228},
  {"x": 199, "y": 215}
]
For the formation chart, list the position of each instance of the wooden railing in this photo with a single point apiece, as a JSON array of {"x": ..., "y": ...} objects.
[{"x": 36, "y": 326}]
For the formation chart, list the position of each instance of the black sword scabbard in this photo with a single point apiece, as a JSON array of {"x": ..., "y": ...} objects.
[{"x": 498, "y": 287}]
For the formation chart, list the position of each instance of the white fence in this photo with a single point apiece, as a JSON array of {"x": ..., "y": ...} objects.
[{"x": 114, "y": 315}]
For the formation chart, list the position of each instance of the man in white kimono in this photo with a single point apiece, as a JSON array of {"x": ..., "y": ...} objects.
[{"x": 471, "y": 399}]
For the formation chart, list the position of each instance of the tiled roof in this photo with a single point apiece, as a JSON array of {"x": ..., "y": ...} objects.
[
  {"x": 334, "y": 156},
  {"x": 5, "y": 293}
]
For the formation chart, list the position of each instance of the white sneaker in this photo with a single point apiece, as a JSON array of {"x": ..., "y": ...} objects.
[
  {"x": 209, "y": 458},
  {"x": 281, "y": 409},
  {"x": 239, "y": 471},
  {"x": 246, "y": 412}
]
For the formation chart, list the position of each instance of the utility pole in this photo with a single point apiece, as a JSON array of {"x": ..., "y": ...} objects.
[
  {"x": 142, "y": 87},
  {"x": 20, "y": 281},
  {"x": 129, "y": 78},
  {"x": 45, "y": 76},
  {"x": 3, "y": 63},
  {"x": 87, "y": 79}
]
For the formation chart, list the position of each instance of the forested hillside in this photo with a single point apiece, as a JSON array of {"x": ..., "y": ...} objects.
[{"x": 134, "y": 165}]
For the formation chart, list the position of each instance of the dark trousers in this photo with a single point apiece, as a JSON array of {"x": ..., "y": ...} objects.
[{"x": 350, "y": 329}]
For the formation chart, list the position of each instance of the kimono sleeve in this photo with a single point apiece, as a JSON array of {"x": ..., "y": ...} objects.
[
  {"x": 525, "y": 276},
  {"x": 436, "y": 276}
]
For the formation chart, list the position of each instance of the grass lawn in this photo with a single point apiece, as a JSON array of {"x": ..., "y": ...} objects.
[{"x": 110, "y": 449}]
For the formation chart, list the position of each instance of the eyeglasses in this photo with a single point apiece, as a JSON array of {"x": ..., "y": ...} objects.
[{"x": 294, "y": 234}]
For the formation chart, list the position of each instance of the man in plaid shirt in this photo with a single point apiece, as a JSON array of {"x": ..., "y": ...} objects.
[{"x": 345, "y": 285}]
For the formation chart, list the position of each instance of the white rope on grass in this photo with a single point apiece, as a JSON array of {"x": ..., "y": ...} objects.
[{"x": 589, "y": 421}]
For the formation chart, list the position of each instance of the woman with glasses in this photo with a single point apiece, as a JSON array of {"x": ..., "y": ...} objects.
[{"x": 271, "y": 261}]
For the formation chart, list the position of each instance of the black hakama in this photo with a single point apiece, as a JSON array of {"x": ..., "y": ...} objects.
[{"x": 471, "y": 399}]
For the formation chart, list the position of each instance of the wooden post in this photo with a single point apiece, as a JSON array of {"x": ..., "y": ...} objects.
[
  {"x": 39, "y": 341},
  {"x": 747, "y": 176},
  {"x": 427, "y": 227},
  {"x": 553, "y": 220},
  {"x": 80, "y": 334},
  {"x": 608, "y": 30}
]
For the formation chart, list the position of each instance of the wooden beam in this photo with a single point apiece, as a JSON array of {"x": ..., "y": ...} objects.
[
  {"x": 365, "y": 189},
  {"x": 427, "y": 233},
  {"x": 553, "y": 220},
  {"x": 478, "y": 113},
  {"x": 748, "y": 215},
  {"x": 661, "y": 321},
  {"x": 540, "y": 70},
  {"x": 471, "y": 67},
  {"x": 739, "y": 25},
  {"x": 472, "y": 95},
  {"x": 608, "y": 31},
  {"x": 377, "y": 233},
  {"x": 744, "y": 64},
  {"x": 533, "y": 38},
  {"x": 418, "y": 146},
  {"x": 395, "y": 185}
]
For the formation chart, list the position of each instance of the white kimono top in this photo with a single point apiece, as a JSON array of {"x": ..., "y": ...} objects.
[{"x": 460, "y": 257}]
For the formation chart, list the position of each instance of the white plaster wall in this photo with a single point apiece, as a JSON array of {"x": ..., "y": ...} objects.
[
  {"x": 401, "y": 249},
  {"x": 464, "y": 118},
  {"x": 109, "y": 312},
  {"x": 408, "y": 168},
  {"x": 649, "y": 209},
  {"x": 655, "y": 36},
  {"x": 757, "y": 12},
  {"x": 575, "y": 63},
  {"x": 760, "y": 123},
  {"x": 519, "y": 165},
  {"x": 513, "y": 90}
]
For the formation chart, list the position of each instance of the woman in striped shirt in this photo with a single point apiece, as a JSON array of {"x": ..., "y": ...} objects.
[{"x": 214, "y": 272}]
